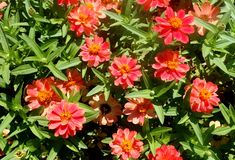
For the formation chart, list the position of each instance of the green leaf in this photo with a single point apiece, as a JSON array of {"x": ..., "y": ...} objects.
[
  {"x": 183, "y": 119},
  {"x": 225, "y": 112},
  {"x": 106, "y": 140},
  {"x": 36, "y": 131},
  {"x": 232, "y": 113},
  {"x": 55, "y": 54},
  {"x": 197, "y": 131},
  {"x": 206, "y": 25},
  {"x": 113, "y": 15},
  {"x": 90, "y": 113},
  {"x": 160, "y": 113},
  {"x": 6, "y": 121},
  {"x": 160, "y": 90},
  {"x": 56, "y": 72},
  {"x": 33, "y": 45},
  {"x": 221, "y": 131},
  {"x": 23, "y": 70},
  {"x": 146, "y": 78},
  {"x": 141, "y": 94},
  {"x": 6, "y": 72},
  {"x": 99, "y": 75},
  {"x": 198, "y": 149},
  {"x": 54, "y": 151},
  {"x": 106, "y": 92},
  {"x": 61, "y": 65},
  {"x": 95, "y": 90},
  {"x": 160, "y": 130},
  {"x": 71, "y": 146},
  {"x": 4, "y": 41}
]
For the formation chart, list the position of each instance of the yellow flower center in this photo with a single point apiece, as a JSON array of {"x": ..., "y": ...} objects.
[
  {"x": 124, "y": 69},
  {"x": 175, "y": 22},
  {"x": 83, "y": 17},
  {"x": 65, "y": 117},
  {"x": 172, "y": 65},
  {"x": 126, "y": 145},
  {"x": 44, "y": 96},
  {"x": 89, "y": 5},
  {"x": 142, "y": 108},
  {"x": 205, "y": 94},
  {"x": 70, "y": 83},
  {"x": 94, "y": 48}
]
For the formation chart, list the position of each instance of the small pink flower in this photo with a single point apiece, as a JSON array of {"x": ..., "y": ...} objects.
[
  {"x": 96, "y": 6},
  {"x": 166, "y": 153},
  {"x": 83, "y": 20},
  {"x": 95, "y": 51},
  {"x": 67, "y": 2},
  {"x": 108, "y": 110},
  {"x": 40, "y": 93},
  {"x": 169, "y": 66},
  {"x": 125, "y": 70},
  {"x": 138, "y": 109},
  {"x": 66, "y": 118},
  {"x": 125, "y": 144},
  {"x": 203, "y": 96},
  {"x": 2, "y": 6},
  {"x": 207, "y": 12},
  {"x": 174, "y": 26},
  {"x": 153, "y": 3}
]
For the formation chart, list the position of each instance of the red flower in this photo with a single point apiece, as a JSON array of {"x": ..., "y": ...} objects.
[
  {"x": 207, "y": 12},
  {"x": 95, "y": 51},
  {"x": 96, "y": 6},
  {"x": 174, "y": 26},
  {"x": 67, "y": 2},
  {"x": 169, "y": 66},
  {"x": 125, "y": 70},
  {"x": 110, "y": 4},
  {"x": 203, "y": 96},
  {"x": 153, "y": 3},
  {"x": 166, "y": 153},
  {"x": 66, "y": 118},
  {"x": 83, "y": 20},
  {"x": 40, "y": 93},
  {"x": 125, "y": 144},
  {"x": 138, "y": 109}
]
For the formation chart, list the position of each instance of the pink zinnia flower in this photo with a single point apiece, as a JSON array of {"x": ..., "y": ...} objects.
[
  {"x": 108, "y": 110},
  {"x": 67, "y": 2},
  {"x": 125, "y": 144},
  {"x": 207, "y": 12},
  {"x": 138, "y": 109},
  {"x": 83, "y": 20},
  {"x": 40, "y": 93},
  {"x": 203, "y": 96},
  {"x": 125, "y": 70},
  {"x": 95, "y": 51},
  {"x": 2, "y": 6},
  {"x": 96, "y": 6},
  {"x": 166, "y": 153},
  {"x": 169, "y": 66},
  {"x": 174, "y": 26},
  {"x": 153, "y": 3},
  {"x": 66, "y": 118}
]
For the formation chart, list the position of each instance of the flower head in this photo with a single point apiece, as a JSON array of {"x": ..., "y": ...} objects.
[
  {"x": 166, "y": 153},
  {"x": 207, "y": 12},
  {"x": 203, "y": 96},
  {"x": 169, "y": 66},
  {"x": 40, "y": 93},
  {"x": 174, "y": 26},
  {"x": 66, "y": 118},
  {"x": 74, "y": 82},
  {"x": 95, "y": 51},
  {"x": 138, "y": 109},
  {"x": 153, "y": 3},
  {"x": 108, "y": 110},
  {"x": 96, "y": 6},
  {"x": 67, "y": 2},
  {"x": 110, "y": 4},
  {"x": 125, "y": 144},
  {"x": 83, "y": 20},
  {"x": 2, "y": 6},
  {"x": 125, "y": 70}
]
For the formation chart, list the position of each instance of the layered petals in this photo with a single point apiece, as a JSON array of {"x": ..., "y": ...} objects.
[{"x": 148, "y": 4}]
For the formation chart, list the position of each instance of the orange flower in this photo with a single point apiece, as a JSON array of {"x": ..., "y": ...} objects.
[
  {"x": 207, "y": 12},
  {"x": 108, "y": 110},
  {"x": 66, "y": 118},
  {"x": 67, "y": 2},
  {"x": 125, "y": 144},
  {"x": 83, "y": 20}
]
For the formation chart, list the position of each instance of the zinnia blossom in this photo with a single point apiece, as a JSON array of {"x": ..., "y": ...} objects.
[
  {"x": 206, "y": 12},
  {"x": 83, "y": 20},
  {"x": 108, "y": 110},
  {"x": 166, "y": 152},
  {"x": 66, "y": 118},
  {"x": 153, "y": 3},
  {"x": 169, "y": 66},
  {"x": 67, "y": 2},
  {"x": 125, "y": 70},
  {"x": 174, "y": 26},
  {"x": 95, "y": 51},
  {"x": 96, "y": 6},
  {"x": 203, "y": 96},
  {"x": 125, "y": 144},
  {"x": 2, "y": 6},
  {"x": 40, "y": 93},
  {"x": 138, "y": 109},
  {"x": 110, "y": 4}
]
